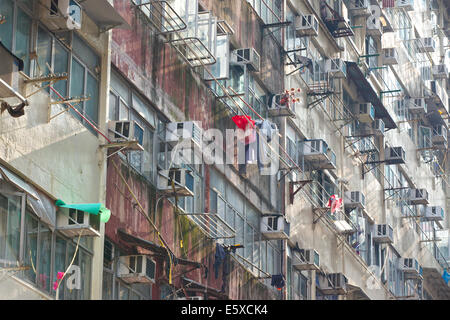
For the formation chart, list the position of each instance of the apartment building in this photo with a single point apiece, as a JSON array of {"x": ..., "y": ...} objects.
[{"x": 98, "y": 97}]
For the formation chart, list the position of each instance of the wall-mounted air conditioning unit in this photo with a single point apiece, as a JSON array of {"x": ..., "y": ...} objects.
[
  {"x": 411, "y": 268},
  {"x": 359, "y": 8},
  {"x": 281, "y": 105},
  {"x": 434, "y": 214},
  {"x": 417, "y": 196},
  {"x": 354, "y": 199},
  {"x": 395, "y": 155},
  {"x": 136, "y": 269},
  {"x": 383, "y": 233},
  {"x": 426, "y": 45},
  {"x": 126, "y": 131},
  {"x": 375, "y": 128},
  {"x": 337, "y": 68},
  {"x": 333, "y": 284},
  {"x": 416, "y": 105},
  {"x": 307, "y": 25},
  {"x": 365, "y": 112},
  {"x": 72, "y": 223},
  {"x": 317, "y": 152},
  {"x": 247, "y": 56},
  {"x": 185, "y": 133},
  {"x": 439, "y": 71},
  {"x": 62, "y": 14},
  {"x": 306, "y": 259},
  {"x": 408, "y": 5},
  {"x": 275, "y": 227},
  {"x": 390, "y": 56},
  {"x": 183, "y": 182},
  {"x": 440, "y": 135}
]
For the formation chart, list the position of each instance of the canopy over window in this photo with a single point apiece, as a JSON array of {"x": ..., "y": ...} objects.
[
  {"x": 92, "y": 208},
  {"x": 103, "y": 14}
]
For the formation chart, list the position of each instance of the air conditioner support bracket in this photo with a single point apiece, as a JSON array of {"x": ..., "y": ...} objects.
[
  {"x": 321, "y": 214},
  {"x": 300, "y": 185},
  {"x": 396, "y": 191}
]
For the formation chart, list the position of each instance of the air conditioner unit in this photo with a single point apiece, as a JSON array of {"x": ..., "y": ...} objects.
[
  {"x": 184, "y": 133},
  {"x": 72, "y": 223},
  {"x": 318, "y": 153},
  {"x": 365, "y": 112},
  {"x": 426, "y": 45},
  {"x": 183, "y": 181},
  {"x": 376, "y": 128},
  {"x": 390, "y": 56},
  {"x": 136, "y": 269},
  {"x": 9, "y": 72},
  {"x": 306, "y": 259},
  {"x": 411, "y": 268},
  {"x": 275, "y": 227},
  {"x": 333, "y": 284},
  {"x": 434, "y": 214},
  {"x": 336, "y": 68},
  {"x": 354, "y": 199},
  {"x": 417, "y": 196},
  {"x": 394, "y": 155},
  {"x": 383, "y": 233},
  {"x": 408, "y": 5},
  {"x": 281, "y": 105},
  {"x": 126, "y": 131},
  {"x": 439, "y": 71},
  {"x": 360, "y": 8},
  {"x": 307, "y": 25},
  {"x": 416, "y": 105},
  {"x": 248, "y": 57},
  {"x": 439, "y": 135},
  {"x": 62, "y": 14}
]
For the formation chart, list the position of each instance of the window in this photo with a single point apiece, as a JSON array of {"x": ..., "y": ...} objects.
[
  {"x": 126, "y": 104},
  {"x": 43, "y": 251},
  {"x": 15, "y": 33},
  {"x": 270, "y": 11},
  {"x": 81, "y": 63},
  {"x": 244, "y": 218}
]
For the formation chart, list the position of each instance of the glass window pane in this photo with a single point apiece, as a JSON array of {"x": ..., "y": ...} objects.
[
  {"x": 85, "y": 53},
  {"x": 6, "y": 30},
  {"x": 71, "y": 294},
  {"x": 113, "y": 112},
  {"x": 86, "y": 270},
  {"x": 13, "y": 229},
  {"x": 45, "y": 246},
  {"x": 30, "y": 252},
  {"x": 44, "y": 52},
  {"x": 60, "y": 264},
  {"x": 61, "y": 66},
  {"x": 22, "y": 35},
  {"x": 91, "y": 106},
  {"x": 77, "y": 85},
  {"x": 3, "y": 224}
]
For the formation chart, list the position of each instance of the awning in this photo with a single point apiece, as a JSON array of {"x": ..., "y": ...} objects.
[
  {"x": 354, "y": 73},
  {"x": 148, "y": 245},
  {"x": 92, "y": 208},
  {"x": 39, "y": 203},
  {"x": 104, "y": 14}
]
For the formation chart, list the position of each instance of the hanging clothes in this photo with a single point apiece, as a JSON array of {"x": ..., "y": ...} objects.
[
  {"x": 246, "y": 124},
  {"x": 219, "y": 259},
  {"x": 278, "y": 281},
  {"x": 267, "y": 131},
  {"x": 334, "y": 203}
]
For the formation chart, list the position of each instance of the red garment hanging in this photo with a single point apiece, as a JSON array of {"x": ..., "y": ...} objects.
[{"x": 246, "y": 124}]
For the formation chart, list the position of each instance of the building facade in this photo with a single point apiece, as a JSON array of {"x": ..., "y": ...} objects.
[{"x": 123, "y": 175}]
